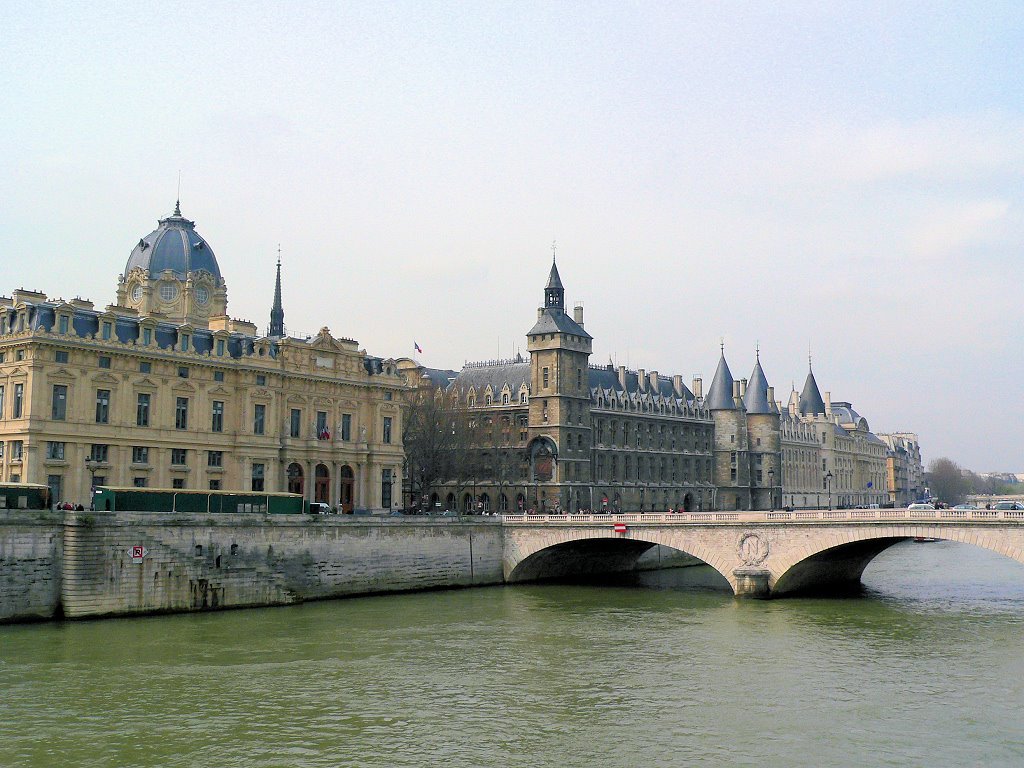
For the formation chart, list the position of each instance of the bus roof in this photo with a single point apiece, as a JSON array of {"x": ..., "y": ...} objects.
[{"x": 24, "y": 485}]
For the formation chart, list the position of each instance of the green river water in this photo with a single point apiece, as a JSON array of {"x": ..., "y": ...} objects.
[{"x": 926, "y": 668}]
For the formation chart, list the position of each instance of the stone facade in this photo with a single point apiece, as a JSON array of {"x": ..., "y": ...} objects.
[
  {"x": 163, "y": 389},
  {"x": 31, "y": 564}
]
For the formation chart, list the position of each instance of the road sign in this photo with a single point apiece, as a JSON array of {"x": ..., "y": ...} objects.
[
  {"x": 137, "y": 553},
  {"x": 620, "y": 528}
]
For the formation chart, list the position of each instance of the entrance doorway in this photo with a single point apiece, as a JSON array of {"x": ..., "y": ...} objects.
[
  {"x": 322, "y": 489},
  {"x": 296, "y": 480},
  {"x": 348, "y": 483}
]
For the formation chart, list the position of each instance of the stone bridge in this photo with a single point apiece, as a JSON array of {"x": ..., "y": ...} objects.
[{"x": 760, "y": 554}]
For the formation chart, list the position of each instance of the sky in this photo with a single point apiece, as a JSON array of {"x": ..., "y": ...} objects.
[{"x": 839, "y": 179}]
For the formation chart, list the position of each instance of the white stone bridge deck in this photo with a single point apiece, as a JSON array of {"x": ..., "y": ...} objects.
[{"x": 759, "y": 553}]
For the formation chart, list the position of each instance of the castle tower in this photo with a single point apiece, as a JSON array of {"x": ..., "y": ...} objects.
[
  {"x": 277, "y": 311},
  {"x": 559, "y": 414},
  {"x": 731, "y": 460},
  {"x": 764, "y": 439}
]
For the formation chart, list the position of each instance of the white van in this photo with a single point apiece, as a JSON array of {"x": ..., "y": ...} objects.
[{"x": 319, "y": 508}]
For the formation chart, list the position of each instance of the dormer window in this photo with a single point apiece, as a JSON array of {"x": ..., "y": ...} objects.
[
  {"x": 63, "y": 324},
  {"x": 147, "y": 336},
  {"x": 184, "y": 342}
]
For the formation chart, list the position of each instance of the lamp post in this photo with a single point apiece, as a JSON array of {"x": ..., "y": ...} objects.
[
  {"x": 828, "y": 486},
  {"x": 92, "y": 466},
  {"x": 771, "y": 490}
]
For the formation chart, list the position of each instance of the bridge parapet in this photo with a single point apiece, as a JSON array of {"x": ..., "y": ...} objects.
[{"x": 817, "y": 515}]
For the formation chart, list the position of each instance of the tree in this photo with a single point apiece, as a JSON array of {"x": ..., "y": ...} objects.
[
  {"x": 946, "y": 481},
  {"x": 433, "y": 428}
]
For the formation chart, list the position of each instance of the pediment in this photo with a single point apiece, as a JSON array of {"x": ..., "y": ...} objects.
[
  {"x": 184, "y": 386},
  {"x": 62, "y": 373},
  {"x": 104, "y": 378},
  {"x": 147, "y": 382},
  {"x": 219, "y": 390}
]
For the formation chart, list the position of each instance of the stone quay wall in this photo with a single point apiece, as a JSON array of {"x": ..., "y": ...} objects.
[
  {"x": 87, "y": 564},
  {"x": 31, "y": 545}
]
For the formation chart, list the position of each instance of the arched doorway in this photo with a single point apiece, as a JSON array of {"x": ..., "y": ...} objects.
[
  {"x": 449, "y": 503},
  {"x": 688, "y": 503},
  {"x": 348, "y": 483},
  {"x": 485, "y": 503},
  {"x": 520, "y": 503},
  {"x": 296, "y": 480},
  {"x": 322, "y": 489}
]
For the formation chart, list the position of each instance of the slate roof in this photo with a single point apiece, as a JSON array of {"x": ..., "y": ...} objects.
[
  {"x": 608, "y": 379},
  {"x": 554, "y": 281},
  {"x": 174, "y": 245},
  {"x": 756, "y": 398},
  {"x": 810, "y": 398},
  {"x": 496, "y": 375},
  {"x": 719, "y": 396},
  {"x": 554, "y": 320}
]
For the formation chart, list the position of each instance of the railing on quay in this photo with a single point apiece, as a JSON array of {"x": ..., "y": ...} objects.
[{"x": 798, "y": 516}]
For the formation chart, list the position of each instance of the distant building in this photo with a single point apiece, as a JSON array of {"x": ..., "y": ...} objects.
[
  {"x": 904, "y": 469},
  {"x": 163, "y": 389}
]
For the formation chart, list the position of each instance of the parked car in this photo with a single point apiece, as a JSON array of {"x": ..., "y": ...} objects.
[
  {"x": 920, "y": 505},
  {"x": 319, "y": 508},
  {"x": 965, "y": 506},
  {"x": 1008, "y": 505}
]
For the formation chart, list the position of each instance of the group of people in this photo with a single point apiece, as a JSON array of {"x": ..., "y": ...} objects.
[{"x": 67, "y": 506}]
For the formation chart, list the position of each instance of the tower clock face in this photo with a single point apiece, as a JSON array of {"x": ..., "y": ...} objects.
[
  {"x": 202, "y": 295},
  {"x": 136, "y": 292}
]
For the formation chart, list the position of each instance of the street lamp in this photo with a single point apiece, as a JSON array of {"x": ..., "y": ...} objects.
[
  {"x": 771, "y": 490},
  {"x": 93, "y": 467},
  {"x": 828, "y": 486}
]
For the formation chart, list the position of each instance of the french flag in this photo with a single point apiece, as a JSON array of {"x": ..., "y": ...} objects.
[{"x": 417, "y": 347}]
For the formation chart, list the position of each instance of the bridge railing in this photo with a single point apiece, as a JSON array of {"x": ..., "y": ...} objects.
[{"x": 798, "y": 516}]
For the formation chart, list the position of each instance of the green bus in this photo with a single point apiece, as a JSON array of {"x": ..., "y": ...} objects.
[
  {"x": 110, "y": 499},
  {"x": 24, "y": 496}
]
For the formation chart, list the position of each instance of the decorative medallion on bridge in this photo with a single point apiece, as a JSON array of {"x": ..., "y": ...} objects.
[{"x": 752, "y": 549}]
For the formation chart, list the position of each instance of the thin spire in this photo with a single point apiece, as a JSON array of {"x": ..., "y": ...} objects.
[
  {"x": 177, "y": 202},
  {"x": 554, "y": 248},
  {"x": 277, "y": 311}
]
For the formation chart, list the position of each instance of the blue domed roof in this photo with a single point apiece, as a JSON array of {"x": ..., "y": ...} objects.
[{"x": 174, "y": 245}]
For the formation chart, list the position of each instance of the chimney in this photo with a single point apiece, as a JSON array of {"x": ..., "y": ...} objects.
[
  {"x": 540, "y": 312},
  {"x": 577, "y": 315},
  {"x": 771, "y": 394},
  {"x": 743, "y": 387},
  {"x": 677, "y": 385},
  {"x": 698, "y": 387},
  {"x": 622, "y": 376},
  {"x": 654, "y": 381},
  {"x": 735, "y": 389},
  {"x": 641, "y": 379},
  {"x": 828, "y": 403}
]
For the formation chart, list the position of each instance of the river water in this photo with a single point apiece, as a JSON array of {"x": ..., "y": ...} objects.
[{"x": 926, "y": 668}]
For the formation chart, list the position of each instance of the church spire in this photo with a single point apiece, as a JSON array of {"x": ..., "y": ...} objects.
[{"x": 277, "y": 311}]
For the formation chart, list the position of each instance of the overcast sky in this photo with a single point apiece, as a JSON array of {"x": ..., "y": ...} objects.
[{"x": 847, "y": 178}]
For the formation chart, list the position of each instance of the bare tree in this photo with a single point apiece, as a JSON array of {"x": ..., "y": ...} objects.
[
  {"x": 432, "y": 437},
  {"x": 946, "y": 480}
]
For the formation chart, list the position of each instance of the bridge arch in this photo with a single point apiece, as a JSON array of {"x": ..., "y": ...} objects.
[
  {"x": 837, "y": 558},
  {"x": 549, "y": 553}
]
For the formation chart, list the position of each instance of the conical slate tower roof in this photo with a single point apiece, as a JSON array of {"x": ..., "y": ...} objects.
[
  {"x": 810, "y": 398},
  {"x": 277, "y": 311},
  {"x": 756, "y": 399},
  {"x": 720, "y": 393},
  {"x": 554, "y": 281}
]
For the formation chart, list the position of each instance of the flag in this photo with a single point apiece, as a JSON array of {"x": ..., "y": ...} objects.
[{"x": 417, "y": 347}]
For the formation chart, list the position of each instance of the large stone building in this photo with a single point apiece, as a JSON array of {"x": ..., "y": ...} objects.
[
  {"x": 581, "y": 436},
  {"x": 164, "y": 389},
  {"x": 904, "y": 469}
]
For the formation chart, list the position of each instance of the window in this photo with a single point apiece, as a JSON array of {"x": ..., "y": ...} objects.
[
  {"x": 504, "y": 398},
  {"x": 178, "y": 482},
  {"x": 346, "y": 426},
  {"x": 218, "y": 416},
  {"x": 215, "y": 486},
  {"x": 1, "y": 398},
  {"x": 140, "y": 454},
  {"x": 55, "y": 451},
  {"x": 261, "y": 380},
  {"x": 182, "y": 372},
  {"x": 62, "y": 324},
  {"x": 98, "y": 452},
  {"x": 522, "y": 398},
  {"x": 179, "y": 457},
  {"x": 220, "y": 347},
  {"x": 59, "y": 403},
  {"x": 184, "y": 342},
  {"x": 218, "y": 375},
  {"x": 104, "y": 361},
  {"x": 142, "y": 409},
  {"x": 257, "y": 477},
  {"x": 140, "y": 482},
  {"x": 545, "y": 375},
  {"x": 259, "y": 419},
  {"x": 145, "y": 367},
  {"x": 105, "y": 331},
  {"x": 322, "y": 432},
  {"x": 147, "y": 336},
  {"x": 17, "y": 448},
  {"x": 387, "y": 395},
  {"x": 387, "y": 429},
  {"x": 60, "y": 356},
  {"x": 296, "y": 422},
  {"x": 181, "y": 413},
  {"x": 102, "y": 406},
  {"x": 168, "y": 292},
  {"x": 579, "y": 378},
  {"x": 215, "y": 458},
  {"x": 19, "y": 399}
]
